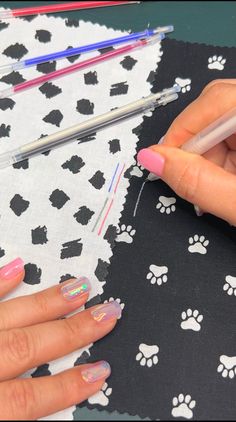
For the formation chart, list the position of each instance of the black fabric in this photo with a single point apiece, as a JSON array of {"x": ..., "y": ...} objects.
[{"x": 187, "y": 359}]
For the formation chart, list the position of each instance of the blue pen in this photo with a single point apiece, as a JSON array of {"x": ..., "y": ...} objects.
[{"x": 83, "y": 49}]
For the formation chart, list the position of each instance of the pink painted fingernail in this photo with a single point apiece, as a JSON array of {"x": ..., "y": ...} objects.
[
  {"x": 107, "y": 312},
  {"x": 96, "y": 372},
  {"x": 75, "y": 288},
  {"x": 152, "y": 161},
  {"x": 12, "y": 269},
  {"x": 198, "y": 211}
]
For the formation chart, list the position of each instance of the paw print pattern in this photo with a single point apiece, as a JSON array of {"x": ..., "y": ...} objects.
[
  {"x": 125, "y": 234},
  {"x": 182, "y": 407},
  {"x": 122, "y": 305},
  {"x": 198, "y": 244},
  {"x": 102, "y": 397},
  {"x": 185, "y": 84},
  {"x": 166, "y": 205},
  {"x": 147, "y": 355},
  {"x": 191, "y": 320},
  {"x": 230, "y": 285},
  {"x": 137, "y": 171},
  {"x": 216, "y": 62},
  {"x": 157, "y": 274},
  {"x": 227, "y": 366}
]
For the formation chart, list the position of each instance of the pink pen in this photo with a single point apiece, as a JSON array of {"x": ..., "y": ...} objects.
[{"x": 82, "y": 65}]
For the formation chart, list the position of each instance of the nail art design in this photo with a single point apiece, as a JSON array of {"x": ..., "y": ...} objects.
[
  {"x": 96, "y": 372},
  {"x": 75, "y": 288},
  {"x": 12, "y": 269},
  {"x": 106, "y": 312}
]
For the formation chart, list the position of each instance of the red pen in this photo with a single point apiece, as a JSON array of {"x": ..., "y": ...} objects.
[{"x": 61, "y": 7}]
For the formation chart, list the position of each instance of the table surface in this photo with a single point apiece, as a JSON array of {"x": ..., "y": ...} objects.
[{"x": 194, "y": 21}]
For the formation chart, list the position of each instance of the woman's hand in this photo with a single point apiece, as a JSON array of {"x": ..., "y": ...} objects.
[
  {"x": 31, "y": 334},
  {"x": 210, "y": 180}
]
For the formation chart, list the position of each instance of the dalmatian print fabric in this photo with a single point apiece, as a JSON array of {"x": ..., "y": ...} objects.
[
  {"x": 50, "y": 205},
  {"x": 173, "y": 353}
]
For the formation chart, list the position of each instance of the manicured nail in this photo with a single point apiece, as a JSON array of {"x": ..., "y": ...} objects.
[
  {"x": 151, "y": 160},
  {"x": 75, "y": 288},
  {"x": 96, "y": 372},
  {"x": 109, "y": 311},
  {"x": 161, "y": 140},
  {"x": 12, "y": 269},
  {"x": 198, "y": 210}
]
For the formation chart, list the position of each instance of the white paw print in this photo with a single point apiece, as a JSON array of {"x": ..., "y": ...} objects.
[
  {"x": 191, "y": 320},
  {"x": 157, "y": 274},
  {"x": 137, "y": 171},
  {"x": 227, "y": 366},
  {"x": 147, "y": 355},
  {"x": 230, "y": 285},
  {"x": 216, "y": 62},
  {"x": 166, "y": 205},
  {"x": 198, "y": 244},
  {"x": 125, "y": 234},
  {"x": 185, "y": 84},
  {"x": 102, "y": 397},
  {"x": 122, "y": 305},
  {"x": 183, "y": 406}
]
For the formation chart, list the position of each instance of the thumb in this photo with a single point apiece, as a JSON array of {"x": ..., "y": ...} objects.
[{"x": 193, "y": 178}]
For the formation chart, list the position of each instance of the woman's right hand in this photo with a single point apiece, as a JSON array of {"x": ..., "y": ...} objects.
[
  {"x": 208, "y": 181},
  {"x": 32, "y": 333}
]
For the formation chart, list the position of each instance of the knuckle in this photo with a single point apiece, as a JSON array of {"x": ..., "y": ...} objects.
[
  {"x": 41, "y": 303},
  {"x": 22, "y": 398},
  {"x": 188, "y": 181},
  {"x": 19, "y": 346},
  {"x": 71, "y": 328},
  {"x": 215, "y": 88}
]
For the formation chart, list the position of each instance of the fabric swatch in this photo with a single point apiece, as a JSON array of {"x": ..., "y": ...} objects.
[
  {"x": 50, "y": 205},
  {"x": 173, "y": 353}
]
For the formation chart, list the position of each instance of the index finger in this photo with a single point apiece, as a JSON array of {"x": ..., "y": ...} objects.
[{"x": 215, "y": 100}]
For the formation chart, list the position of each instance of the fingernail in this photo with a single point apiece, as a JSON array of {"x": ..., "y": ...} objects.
[
  {"x": 198, "y": 210},
  {"x": 161, "y": 140},
  {"x": 109, "y": 311},
  {"x": 151, "y": 160},
  {"x": 12, "y": 269},
  {"x": 96, "y": 372},
  {"x": 75, "y": 288}
]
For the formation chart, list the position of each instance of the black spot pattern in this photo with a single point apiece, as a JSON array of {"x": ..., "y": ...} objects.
[
  {"x": 90, "y": 78},
  {"x": 71, "y": 249},
  {"x": 4, "y": 130},
  {"x": 66, "y": 277},
  {"x": 24, "y": 165},
  {"x": 27, "y": 18},
  {"x": 83, "y": 216},
  {"x": 110, "y": 235},
  {"x": 73, "y": 58},
  {"x": 18, "y": 205},
  {"x": 39, "y": 235},
  {"x": 72, "y": 23},
  {"x": 85, "y": 107},
  {"x": 41, "y": 371},
  {"x": 96, "y": 300},
  {"x": 128, "y": 63},
  {"x": 47, "y": 67},
  {"x": 50, "y": 90},
  {"x": 6, "y": 103},
  {"x": 97, "y": 180},
  {"x": 74, "y": 164},
  {"x": 16, "y": 51},
  {"x": 2, "y": 252},
  {"x": 101, "y": 270},
  {"x": 43, "y": 36},
  {"x": 3, "y": 25},
  {"x": 54, "y": 117},
  {"x": 13, "y": 78},
  {"x": 87, "y": 138},
  {"x": 106, "y": 49},
  {"x": 151, "y": 77},
  {"x": 114, "y": 146},
  {"x": 32, "y": 274},
  {"x": 120, "y": 88},
  {"x": 58, "y": 198}
]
